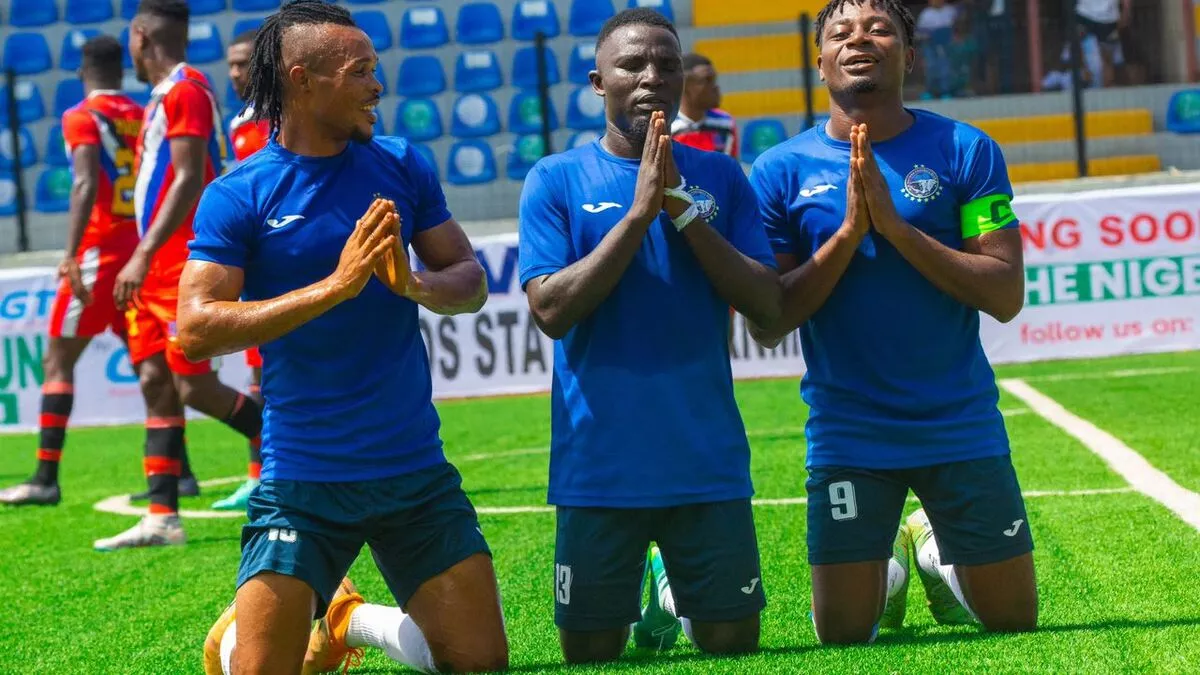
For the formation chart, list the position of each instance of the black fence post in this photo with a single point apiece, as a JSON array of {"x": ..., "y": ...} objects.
[
  {"x": 1081, "y": 159},
  {"x": 805, "y": 72},
  {"x": 14, "y": 130},
  {"x": 543, "y": 79}
]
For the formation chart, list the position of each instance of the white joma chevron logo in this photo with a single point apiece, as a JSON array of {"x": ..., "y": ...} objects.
[
  {"x": 278, "y": 223},
  {"x": 602, "y": 206},
  {"x": 808, "y": 193}
]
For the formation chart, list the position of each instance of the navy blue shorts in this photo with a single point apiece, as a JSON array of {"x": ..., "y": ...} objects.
[
  {"x": 418, "y": 525},
  {"x": 710, "y": 552},
  {"x": 975, "y": 508}
]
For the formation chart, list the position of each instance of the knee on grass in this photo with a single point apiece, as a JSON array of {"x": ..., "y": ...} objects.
[
  {"x": 740, "y": 637},
  {"x": 842, "y": 630}
]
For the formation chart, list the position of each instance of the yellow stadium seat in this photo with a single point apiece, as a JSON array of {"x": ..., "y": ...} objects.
[
  {"x": 1103, "y": 166},
  {"x": 773, "y": 102},
  {"x": 1061, "y": 127},
  {"x": 780, "y": 51},
  {"x": 724, "y": 12}
]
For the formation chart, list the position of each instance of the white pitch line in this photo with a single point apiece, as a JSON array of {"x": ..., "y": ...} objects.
[
  {"x": 1031, "y": 494},
  {"x": 506, "y": 453},
  {"x": 1131, "y": 466},
  {"x": 1108, "y": 375}
]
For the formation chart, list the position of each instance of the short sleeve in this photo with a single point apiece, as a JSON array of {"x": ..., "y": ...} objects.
[
  {"x": 984, "y": 172},
  {"x": 746, "y": 231},
  {"x": 224, "y": 228},
  {"x": 79, "y": 128},
  {"x": 765, "y": 180},
  {"x": 189, "y": 111},
  {"x": 431, "y": 209},
  {"x": 544, "y": 242}
]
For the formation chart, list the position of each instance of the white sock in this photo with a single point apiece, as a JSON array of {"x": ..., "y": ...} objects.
[
  {"x": 394, "y": 632},
  {"x": 687, "y": 629},
  {"x": 930, "y": 560},
  {"x": 228, "y": 640},
  {"x": 896, "y": 576},
  {"x": 666, "y": 600}
]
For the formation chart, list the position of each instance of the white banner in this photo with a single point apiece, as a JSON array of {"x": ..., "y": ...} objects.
[{"x": 1114, "y": 272}]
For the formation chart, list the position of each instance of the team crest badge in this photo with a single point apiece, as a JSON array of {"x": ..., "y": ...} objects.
[
  {"x": 922, "y": 184},
  {"x": 706, "y": 204}
]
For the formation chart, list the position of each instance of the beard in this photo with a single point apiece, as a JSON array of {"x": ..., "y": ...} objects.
[
  {"x": 639, "y": 126},
  {"x": 359, "y": 136},
  {"x": 862, "y": 85}
]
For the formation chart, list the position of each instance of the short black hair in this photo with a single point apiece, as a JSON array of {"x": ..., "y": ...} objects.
[
  {"x": 246, "y": 37},
  {"x": 172, "y": 10},
  {"x": 693, "y": 60},
  {"x": 638, "y": 16},
  {"x": 101, "y": 57},
  {"x": 895, "y": 8},
  {"x": 266, "y": 74}
]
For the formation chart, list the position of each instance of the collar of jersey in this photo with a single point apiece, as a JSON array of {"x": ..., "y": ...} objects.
[
  {"x": 104, "y": 92},
  {"x": 294, "y": 158},
  {"x": 845, "y": 145},
  {"x": 632, "y": 162},
  {"x": 162, "y": 87}
]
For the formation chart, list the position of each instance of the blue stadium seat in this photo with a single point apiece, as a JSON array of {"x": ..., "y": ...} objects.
[
  {"x": 587, "y": 16},
  {"x": 581, "y": 138},
  {"x": 585, "y": 110},
  {"x": 201, "y": 7},
  {"x": 243, "y": 25},
  {"x": 427, "y": 154},
  {"x": 1183, "y": 112},
  {"x": 662, "y": 6},
  {"x": 67, "y": 93},
  {"x": 524, "y": 68},
  {"x": 138, "y": 91},
  {"x": 8, "y": 196},
  {"x": 474, "y": 116},
  {"x": 32, "y": 13},
  {"x": 418, "y": 119},
  {"x": 375, "y": 24},
  {"x": 421, "y": 75},
  {"x": 204, "y": 43},
  {"x": 56, "y": 149},
  {"x": 479, "y": 23},
  {"x": 27, "y": 53},
  {"x": 88, "y": 11},
  {"x": 526, "y": 151},
  {"x": 525, "y": 114},
  {"x": 53, "y": 192},
  {"x": 382, "y": 78},
  {"x": 423, "y": 27},
  {"x": 28, "y": 151},
  {"x": 471, "y": 163},
  {"x": 126, "y": 60},
  {"x": 531, "y": 16},
  {"x": 255, "y": 5},
  {"x": 129, "y": 8},
  {"x": 760, "y": 136},
  {"x": 582, "y": 62},
  {"x": 71, "y": 53},
  {"x": 477, "y": 71},
  {"x": 30, "y": 107}
]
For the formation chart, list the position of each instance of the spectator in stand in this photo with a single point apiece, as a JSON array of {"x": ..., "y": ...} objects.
[
  {"x": 1099, "y": 24},
  {"x": 963, "y": 53},
  {"x": 935, "y": 32},
  {"x": 700, "y": 123},
  {"x": 995, "y": 29}
]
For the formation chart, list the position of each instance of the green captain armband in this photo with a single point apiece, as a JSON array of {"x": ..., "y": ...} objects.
[{"x": 986, "y": 214}]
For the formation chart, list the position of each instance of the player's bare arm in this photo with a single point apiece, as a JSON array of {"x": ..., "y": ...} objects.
[
  {"x": 749, "y": 286},
  {"x": 188, "y": 154},
  {"x": 453, "y": 281},
  {"x": 85, "y": 170},
  {"x": 988, "y": 274},
  {"x": 212, "y": 320},
  {"x": 806, "y": 287},
  {"x": 562, "y": 299}
]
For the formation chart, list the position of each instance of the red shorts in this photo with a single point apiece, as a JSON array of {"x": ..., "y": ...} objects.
[
  {"x": 100, "y": 261},
  {"x": 253, "y": 358},
  {"x": 151, "y": 327}
]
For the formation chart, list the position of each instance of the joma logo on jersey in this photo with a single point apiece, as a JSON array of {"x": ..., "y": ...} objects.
[{"x": 278, "y": 534}]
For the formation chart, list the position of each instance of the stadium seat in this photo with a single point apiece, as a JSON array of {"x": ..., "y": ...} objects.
[
  {"x": 474, "y": 116},
  {"x": 423, "y": 28},
  {"x": 30, "y": 107},
  {"x": 204, "y": 42},
  {"x": 381, "y": 78},
  {"x": 581, "y": 63},
  {"x": 88, "y": 11},
  {"x": 585, "y": 110},
  {"x": 33, "y": 13},
  {"x": 427, "y": 153},
  {"x": 479, "y": 23},
  {"x": 28, "y": 151},
  {"x": 8, "y": 196},
  {"x": 477, "y": 71},
  {"x": 375, "y": 24},
  {"x": 138, "y": 91},
  {"x": 471, "y": 163},
  {"x": 56, "y": 149},
  {"x": 418, "y": 119},
  {"x": 129, "y": 8},
  {"x": 67, "y": 93},
  {"x": 1183, "y": 112},
  {"x": 255, "y": 5},
  {"x": 587, "y": 16},
  {"x": 71, "y": 53},
  {"x": 526, "y": 151},
  {"x": 53, "y": 192},
  {"x": 201, "y": 7},
  {"x": 243, "y": 25},
  {"x": 662, "y": 6},
  {"x": 760, "y": 136},
  {"x": 581, "y": 138},
  {"x": 27, "y": 53},
  {"x": 421, "y": 76},
  {"x": 533, "y": 16},
  {"x": 126, "y": 60},
  {"x": 525, "y": 114},
  {"x": 524, "y": 68}
]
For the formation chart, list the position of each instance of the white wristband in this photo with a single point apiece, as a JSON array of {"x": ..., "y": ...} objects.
[
  {"x": 679, "y": 192},
  {"x": 686, "y": 217}
]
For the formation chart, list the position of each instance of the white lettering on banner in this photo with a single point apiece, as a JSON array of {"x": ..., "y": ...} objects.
[{"x": 1107, "y": 272}]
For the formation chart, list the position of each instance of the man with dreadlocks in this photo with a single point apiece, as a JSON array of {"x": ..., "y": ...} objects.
[
  {"x": 892, "y": 230},
  {"x": 301, "y": 250}
]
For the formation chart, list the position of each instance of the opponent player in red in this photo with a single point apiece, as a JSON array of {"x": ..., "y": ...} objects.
[
  {"x": 179, "y": 153},
  {"x": 701, "y": 123}
]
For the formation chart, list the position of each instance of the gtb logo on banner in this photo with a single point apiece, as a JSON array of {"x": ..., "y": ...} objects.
[{"x": 26, "y": 305}]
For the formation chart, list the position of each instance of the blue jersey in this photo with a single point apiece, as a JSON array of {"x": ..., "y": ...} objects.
[
  {"x": 642, "y": 407},
  {"x": 896, "y": 375},
  {"x": 348, "y": 394}
]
